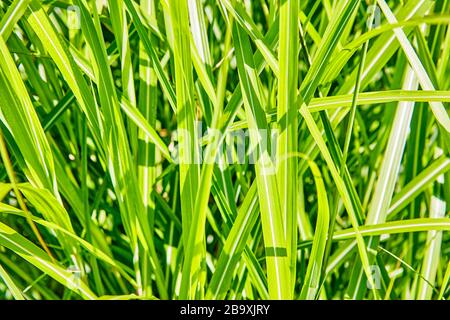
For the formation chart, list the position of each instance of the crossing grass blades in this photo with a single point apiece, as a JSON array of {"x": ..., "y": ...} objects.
[{"x": 224, "y": 149}]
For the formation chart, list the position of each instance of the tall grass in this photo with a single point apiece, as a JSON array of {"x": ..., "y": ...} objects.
[{"x": 200, "y": 149}]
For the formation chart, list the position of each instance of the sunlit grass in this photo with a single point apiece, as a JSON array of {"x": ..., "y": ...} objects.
[{"x": 228, "y": 149}]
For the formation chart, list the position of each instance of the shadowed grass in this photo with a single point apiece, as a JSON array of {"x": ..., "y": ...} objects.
[{"x": 224, "y": 149}]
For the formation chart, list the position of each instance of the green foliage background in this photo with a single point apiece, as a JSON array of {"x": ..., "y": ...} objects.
[{"x": 95, "y": 96}]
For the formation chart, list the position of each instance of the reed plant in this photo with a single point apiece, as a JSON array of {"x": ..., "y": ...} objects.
[{"x": 224, "y": 149}]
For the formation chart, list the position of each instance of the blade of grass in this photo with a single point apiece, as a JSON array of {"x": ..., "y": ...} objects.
[
  {"x": 288, "y": 124},
  {"x": 12, "y": 287},
  {"x": 275, "y": 243},
  {"x": 387, "y": 178},
  {"x": 415, "y": 63}
]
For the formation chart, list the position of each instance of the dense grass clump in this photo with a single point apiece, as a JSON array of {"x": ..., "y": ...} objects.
[{"x": 224, "y": 149}]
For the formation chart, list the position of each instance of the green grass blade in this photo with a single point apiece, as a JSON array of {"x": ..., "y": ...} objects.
[
  {"x": 12, "y": 287},
  {"x": 312, "y": 279},
  {"x": 35, "y": 256},
  {"x": 275, "y": 243},
  {"x": 287, "y": 123},
  {"x": 418, "y": 184},
  {"x": 387, "y": 177},
  {"x": 423, "y": 77}
]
